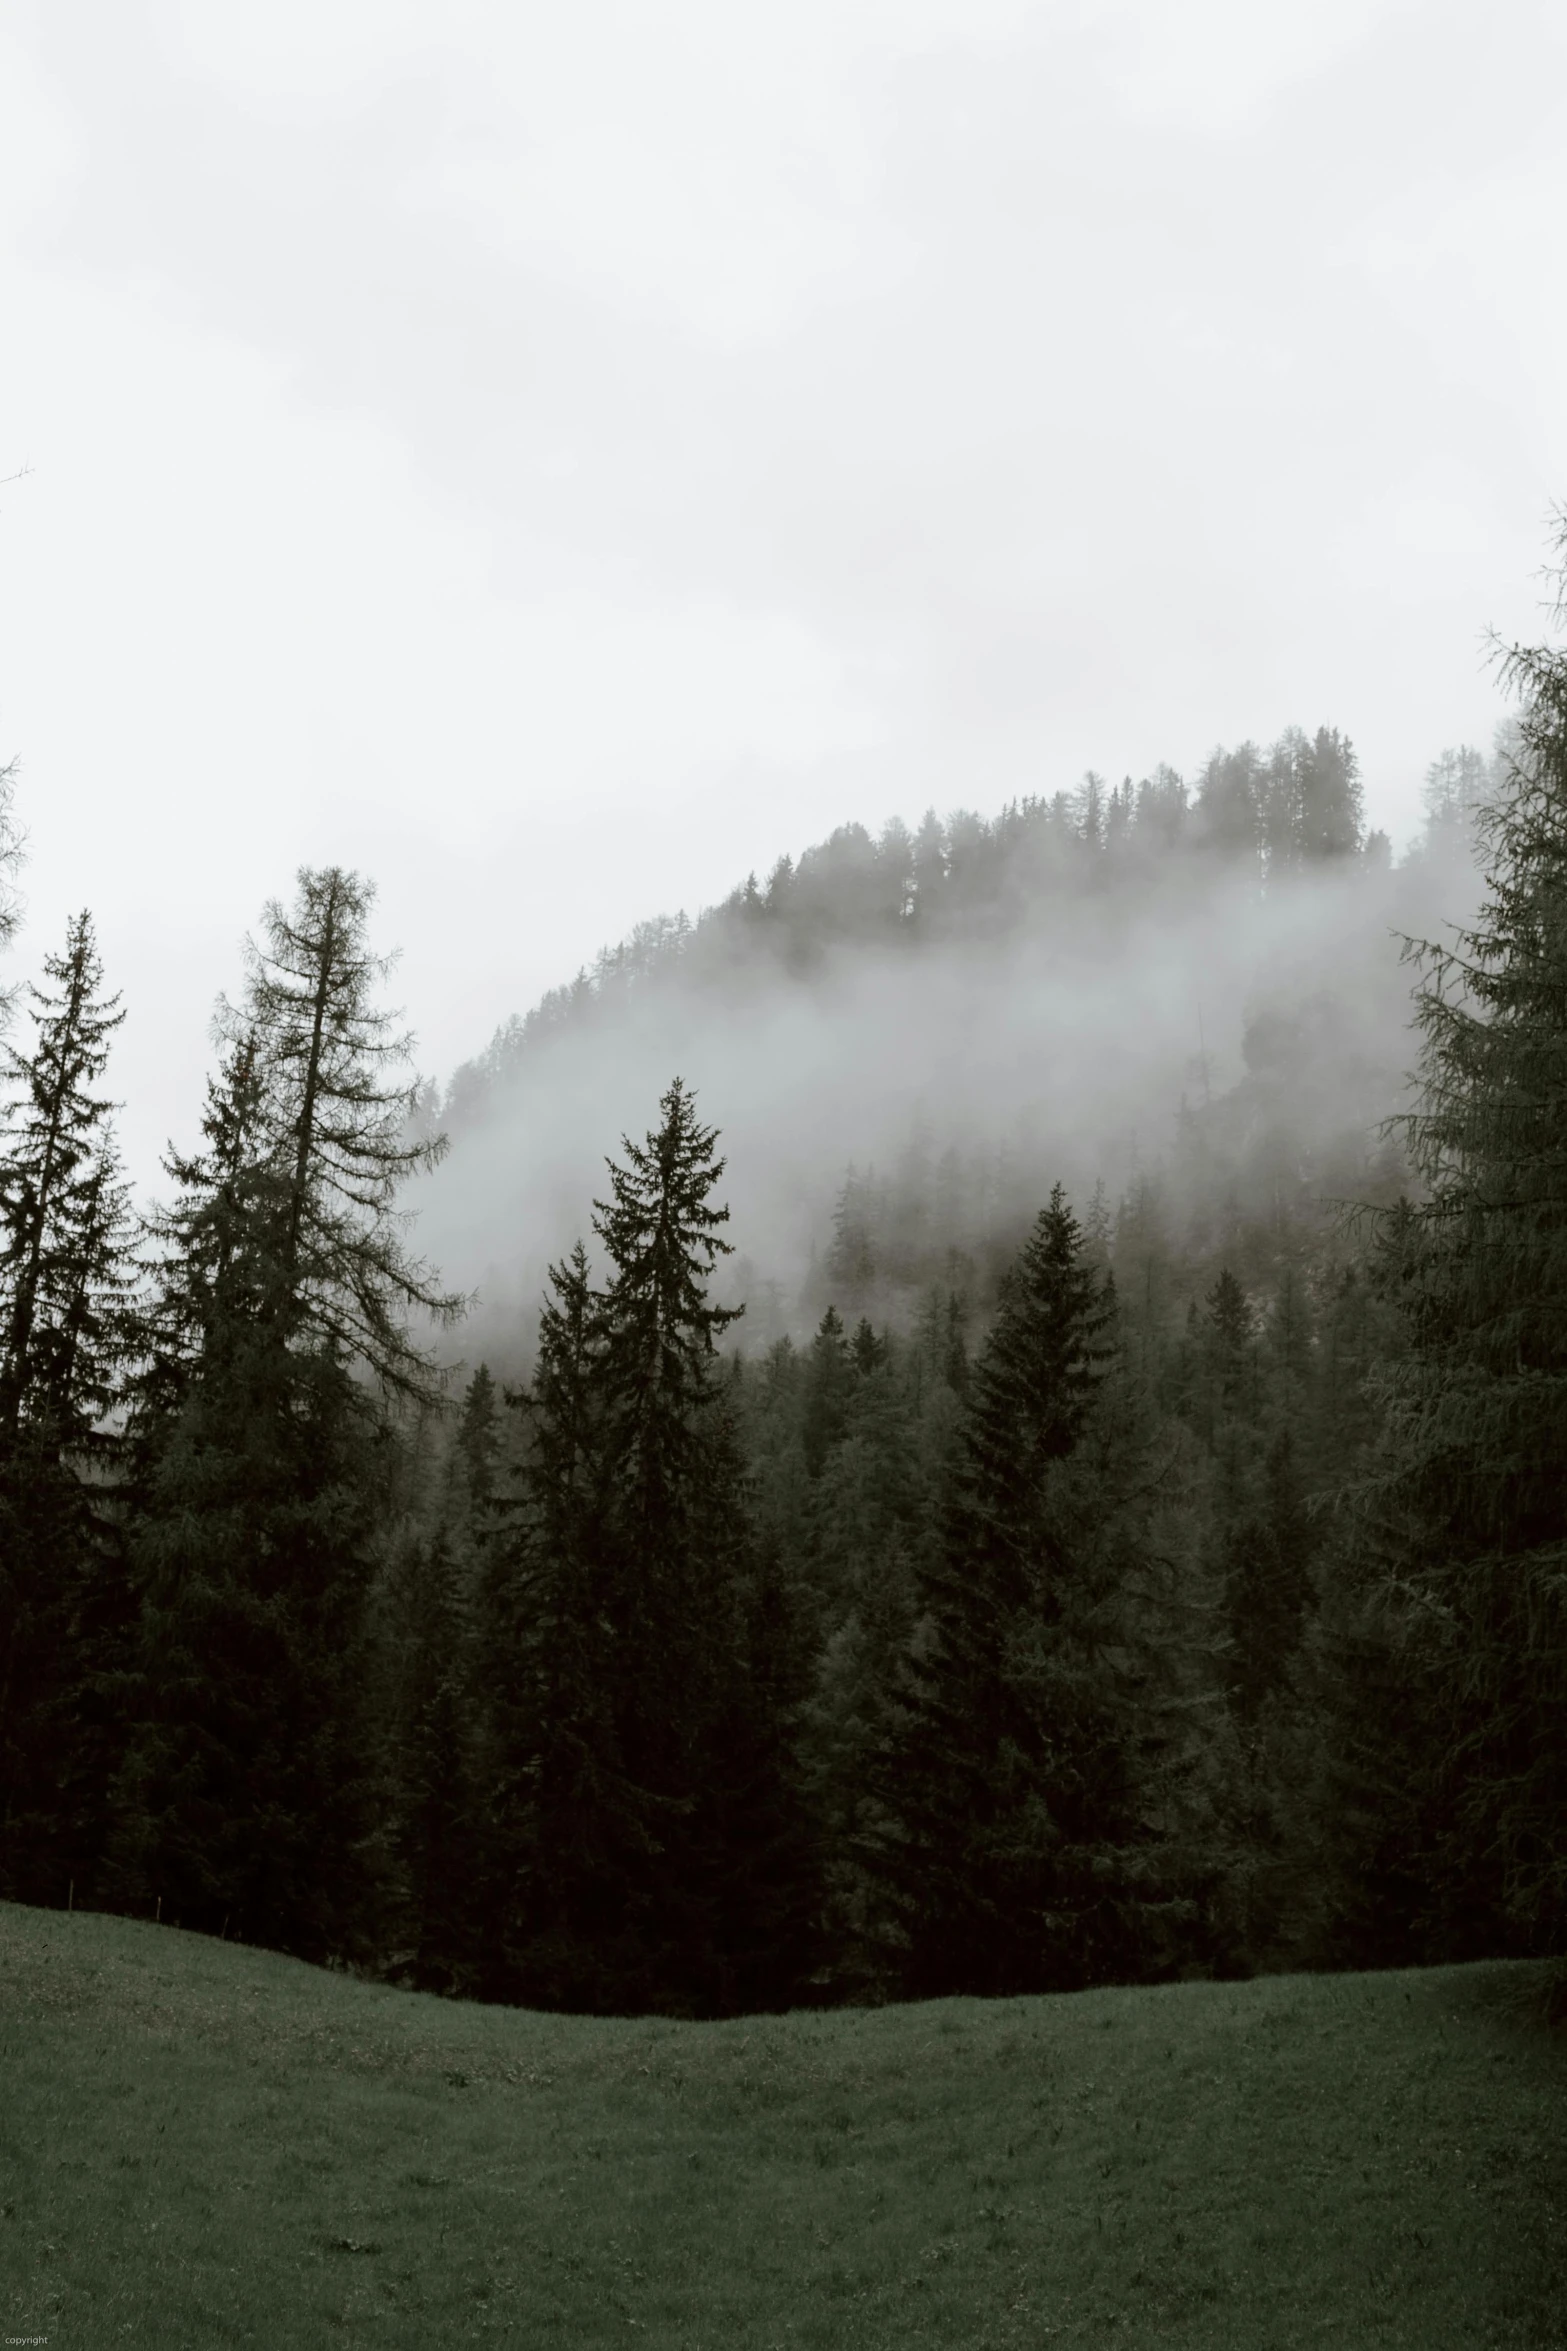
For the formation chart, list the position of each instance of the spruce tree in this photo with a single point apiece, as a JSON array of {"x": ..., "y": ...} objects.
[
  {"x": 65, "y": 1219},
  {"x": 1331, "y": 809},
  {"x": 1268, "y": 1591},
  {"x": 566, "y": 1830},
  {"x": 434, "y": 1781},
  {"x": 66, "y": 1329},
  {"x": 851, "y": 1265},
  {"x": 1478, "y": 1402},
  {"x": 717, "y": 1906},
  {"x": 829, "y": 1383},
  {"x": 1011, "y": 1816},
  {"x": 478, "y": 1443},
  {"x": 643, "y": 1652}
]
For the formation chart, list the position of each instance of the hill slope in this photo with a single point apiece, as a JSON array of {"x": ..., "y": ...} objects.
[
  {"x": 202, "y": 2144},
  {"x": 1036, "y": 996}
]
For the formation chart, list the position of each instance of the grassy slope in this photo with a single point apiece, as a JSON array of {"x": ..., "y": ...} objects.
[{"x": 203, "y": 2145}]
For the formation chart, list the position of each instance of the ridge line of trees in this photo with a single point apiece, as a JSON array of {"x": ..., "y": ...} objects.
[{"x": 1274, "y": 814}]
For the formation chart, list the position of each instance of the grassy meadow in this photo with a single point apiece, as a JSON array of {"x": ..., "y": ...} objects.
[{"x": 202, "y": 2145}]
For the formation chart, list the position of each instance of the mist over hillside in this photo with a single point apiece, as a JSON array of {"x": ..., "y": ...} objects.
[{"x": 928, "y": 1029}]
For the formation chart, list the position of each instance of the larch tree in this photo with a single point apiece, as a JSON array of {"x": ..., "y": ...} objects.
[
  {"x": 282, "y": 1354},
  {"x": 338, "y": 1131}
]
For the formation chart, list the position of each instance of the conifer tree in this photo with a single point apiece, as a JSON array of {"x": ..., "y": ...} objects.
[
  {"x": 647, "y": 1848},
  {"x": 1268, "y": 1589},
  {"x": 428, "y": 1611},
  {"x": 65, "y": 1218},
  {"x": 1010, "y": 1807},
  {"x": 659, "y": 1327},
  {"x": 718, "y": 1923},
  {"x": 1229, "y": 809},
  {"x": 1331, "y": 820},
  {"x": 566, "y": 1830},
  {"x": 338, "y": 1132},
  {"x": 66, "y": 1328},
  {"x": 478, "y": 1442},
  {"x": 851, "y": 1261},
  {"x": 829, "y": 1381},
  {"x": 215, "y": 1242},
  {"x": 284, "y": 1288},
  {"x": 1478, "y": 1403},
  {"x": 1230, "y": 1318},
  {"x": 435, "y": 1794}
]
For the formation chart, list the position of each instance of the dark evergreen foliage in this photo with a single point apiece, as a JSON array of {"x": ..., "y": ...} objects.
[
  {"x": 436, "y": 1773},
  {"x": 1005, "y": 1627},
  {"x": 278, "y": 1322},
  {"x": 1013, "y": 1834},
  {"x": 566, "y": 1826},
  {"x": 65, "y": 1331},
  {"x": 1477, "y": 1402},
  {"x": 651, "y": 1844},
  {"x": 1295, "y": 806}
]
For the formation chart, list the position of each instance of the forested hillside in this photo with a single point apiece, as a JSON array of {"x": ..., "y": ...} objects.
[
  {"x": 1022, "y": 1477},
  {"x": 906, "y": 1040}
]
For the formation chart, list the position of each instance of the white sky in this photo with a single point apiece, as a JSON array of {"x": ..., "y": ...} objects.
[{"x": 556, "y": 457}]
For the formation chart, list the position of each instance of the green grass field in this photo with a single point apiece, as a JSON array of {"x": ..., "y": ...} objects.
[{"x": 203, "y": 2145}]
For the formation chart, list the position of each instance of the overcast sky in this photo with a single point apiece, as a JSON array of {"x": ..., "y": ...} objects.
[{"x": 558, "y": 457}]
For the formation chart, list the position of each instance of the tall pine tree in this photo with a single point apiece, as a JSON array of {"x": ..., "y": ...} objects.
[
  {"x": 653, "y": 1853},
  {"x": 66, "y": 1328},
  {"x": 1011, "y": 1815},
  {"x": 721, "y": 1909},
  {"x": 1478, "y": 1403},
  {"x": 566, "y": 1830}
]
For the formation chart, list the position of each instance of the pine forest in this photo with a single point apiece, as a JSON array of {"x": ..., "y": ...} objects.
[{"x": 854, "y": 1454}]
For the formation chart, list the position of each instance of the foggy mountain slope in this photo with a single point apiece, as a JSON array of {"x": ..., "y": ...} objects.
[{"x": 968, "y": 1011}]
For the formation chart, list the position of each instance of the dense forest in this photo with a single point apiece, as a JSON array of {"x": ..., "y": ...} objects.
[
  {"x": 963, "y": 1015},
  {"x": 1079, "y": 1545}
]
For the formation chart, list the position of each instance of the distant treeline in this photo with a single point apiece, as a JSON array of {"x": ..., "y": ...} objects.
[
  {"x": 1272, "y": 814},
  {"x": 1174, "y": 1584}
]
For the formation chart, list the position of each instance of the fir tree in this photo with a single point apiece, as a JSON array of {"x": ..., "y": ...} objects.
[
  {"x": 867, "y": 1352},
  {"x": 66, "y": 1328},
  {"x": 1268, "y": 1581},
  {"x": 566, "y": 1829},
  {"x": 851, "y": 1261},
  {"x": 64, "y": 1213},
  {"x": 648, "y": 1844},
  {"x": 1330, "y": 818},
  {"x": 1229, "y": 1316},
  {"x": 1010, "y": 1805},
  {"x": 437, "y": 1849},
  {"x": 1478, "y": 1403},
  {"x": 829, "y": 1383},
  {"x": 693, "y": 1730},
  {"x": 478, "y": 1442}
]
